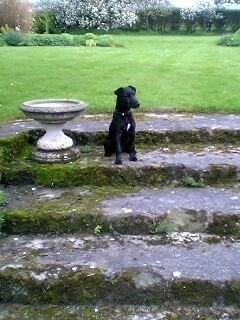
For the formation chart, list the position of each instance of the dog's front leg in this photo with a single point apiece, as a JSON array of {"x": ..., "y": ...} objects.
[
  {"x": 118, "y": 150},
  {"x": 132, "y": 151},
  {"x": 132, "y": 156}
]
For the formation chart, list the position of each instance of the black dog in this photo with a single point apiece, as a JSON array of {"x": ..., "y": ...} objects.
[{"x": 121, "y": 136}]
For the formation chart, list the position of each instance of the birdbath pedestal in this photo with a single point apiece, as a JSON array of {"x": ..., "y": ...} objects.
[{"x": 54, "y": 145}]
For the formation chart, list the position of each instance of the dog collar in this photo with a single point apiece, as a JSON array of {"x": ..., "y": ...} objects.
[{"x": 123, "y": 113}]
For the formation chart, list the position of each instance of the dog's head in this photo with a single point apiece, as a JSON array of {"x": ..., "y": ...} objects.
[{"x": 126, "y": 99}]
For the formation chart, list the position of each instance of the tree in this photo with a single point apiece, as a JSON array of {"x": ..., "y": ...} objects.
[
  {"x": 16, "y": 14},
  {"x": 154, "y": 13},
  {"x": 206, "y": 14},
  {"x": 189, "y": 18},
  {"x": 45, "y": 16},
  {"x": 219, "y": 21},
  {"x": 221, "y": 2},
  {"x": 44, "y": 21},
  {"x": 90, "y": 14}
]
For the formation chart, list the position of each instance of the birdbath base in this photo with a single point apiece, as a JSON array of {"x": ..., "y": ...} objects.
[
  {"x": 54, "y": 146},
  {"x": 55, "y": 156}
]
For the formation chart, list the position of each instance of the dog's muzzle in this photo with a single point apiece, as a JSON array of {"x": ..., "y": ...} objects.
[{"x": 133, "y": 102}]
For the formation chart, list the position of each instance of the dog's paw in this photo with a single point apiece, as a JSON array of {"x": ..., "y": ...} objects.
[
  {"x": 118, "y": 162},
  {"x": 134, "y": 158},
  {"x": 107, "y": 154}
]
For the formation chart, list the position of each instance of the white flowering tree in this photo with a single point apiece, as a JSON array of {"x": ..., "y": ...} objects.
[{"x": 96, "y": 14}]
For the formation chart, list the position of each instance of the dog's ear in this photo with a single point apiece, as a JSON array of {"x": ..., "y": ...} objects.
[
  {"x": 133, "y": 88},
  {"x": 118, "y": 91}
]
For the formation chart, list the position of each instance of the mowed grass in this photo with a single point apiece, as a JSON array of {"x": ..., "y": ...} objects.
[{"x": 176, "y": 73}]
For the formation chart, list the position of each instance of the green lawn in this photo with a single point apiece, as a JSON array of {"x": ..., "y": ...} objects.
[{"x": 188, "y": 73}]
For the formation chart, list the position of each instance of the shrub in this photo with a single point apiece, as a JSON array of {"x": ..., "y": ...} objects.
[
  {"x": 4, "y": 29},
  {"x": 90, "y": 36},
  {"x": 64, "y": 39},
  {"x": 91, "y": 43},
  {"x": 14, "y": 38},
  {"x": 237, "y": 33},
  {"x": 90, "y": 39},
  {"x": 235, "y": 42},
  {"x": 2, "y": 199},
  {"x": 225, "y": 40},
  {"x": 79, "y": 41},
  {"x": 2, "y": 42},
  {"x": 105, "y": 41},
  {"x": 230, "y": 40}
]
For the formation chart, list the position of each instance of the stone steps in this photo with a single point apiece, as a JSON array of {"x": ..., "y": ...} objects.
[
  {"x": 154, "y": 168},
  {"x": 119, "y": 270},
  {"x": 155, "y": 239},
  {"x": 213, "y": 210}
]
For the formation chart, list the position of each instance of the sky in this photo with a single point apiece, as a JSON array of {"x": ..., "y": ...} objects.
[{"x": 186, "y": 3}]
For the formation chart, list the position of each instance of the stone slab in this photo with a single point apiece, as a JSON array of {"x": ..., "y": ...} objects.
[
  {"x": 208, "y": 209},
  {"x": 150, "y": 122},
  {"x": 127, "y": 269},
  {"x": 176, "y": 209},
  {"x": 196, "y": 160},
  {"x": 222, "y": 201}
]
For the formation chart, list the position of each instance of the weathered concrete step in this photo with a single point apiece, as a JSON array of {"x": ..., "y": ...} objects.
[
  {"x": 132, "y": 270},
  {"x": 117, "y": 312},
  {"x": 195, "y": 127},
  {"x": 156, "y": 167},
  {"x": 35, "y": 209}
]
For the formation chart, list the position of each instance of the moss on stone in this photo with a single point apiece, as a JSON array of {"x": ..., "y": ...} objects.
[
  {"x": 72, "y": 287},
  {"x": 85, "y": 285},
  {"x": 225, "y": 225},
  {"x": 86, "y": 171},
  {"x": 221, "y": 174},
  {"x": 91, "y": 169},
  {"x": 18, "y": 172},
  {"x": 13, "y": 146},
  {"x": 115, "y": 312},
  {"x": 18, "y": 287},
  {"x": 58, "y": 216},
  {"x": 188, "y": 136},
  {"x": 154, "y": 138},
  {"x": 233, "y": 293},
  {"x": 87, "y": 138},
  {"x": 196, "y": 292},
  {"x": 68, "y": 213}
]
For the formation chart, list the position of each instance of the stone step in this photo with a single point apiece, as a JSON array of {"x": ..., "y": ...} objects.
[
  {"x": 117, "y": 312},
  {"x": 124, "y": 270},
  {"x": 206, "y": 125},
  {"x": 35, "y": 209},
  {"x": 157, "y": 167},
  {"x": 152, "y": 129}
]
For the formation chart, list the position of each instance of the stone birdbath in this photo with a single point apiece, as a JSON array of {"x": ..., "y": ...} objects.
[{"x": 54, "y": 145}]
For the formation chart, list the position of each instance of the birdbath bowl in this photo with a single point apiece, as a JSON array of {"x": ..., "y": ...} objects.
[{"x": 54, "y": 145}]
